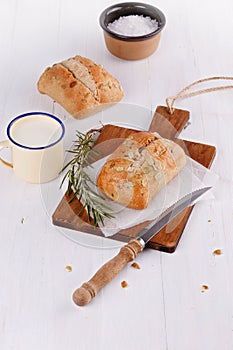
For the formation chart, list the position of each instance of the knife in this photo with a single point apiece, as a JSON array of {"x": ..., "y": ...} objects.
[{"x": 128, "y": 252}]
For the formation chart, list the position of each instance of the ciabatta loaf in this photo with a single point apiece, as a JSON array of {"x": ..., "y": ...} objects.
[
  {"x": 139, "y": 168},
  {"x": 80, "y": 86}
]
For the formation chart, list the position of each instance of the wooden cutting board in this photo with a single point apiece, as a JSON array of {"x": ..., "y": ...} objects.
[{"x": 168, "y": 126}]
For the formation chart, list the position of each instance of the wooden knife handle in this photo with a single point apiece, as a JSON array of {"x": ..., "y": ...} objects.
[{"x": 106, "y": 273}]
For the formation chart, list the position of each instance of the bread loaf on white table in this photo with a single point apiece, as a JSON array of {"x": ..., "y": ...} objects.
[{"x": 81, "y": 86}]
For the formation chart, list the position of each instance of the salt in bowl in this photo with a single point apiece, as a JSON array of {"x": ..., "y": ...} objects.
[{"x": 126, "y": 42}]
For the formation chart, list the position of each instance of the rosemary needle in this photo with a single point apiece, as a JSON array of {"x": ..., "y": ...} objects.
[{"x": 80, "y": 183}]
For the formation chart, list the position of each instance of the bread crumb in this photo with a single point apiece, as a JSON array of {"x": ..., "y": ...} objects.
[
  {"x": 217, "y": 252},
  {"x": 68, "y": 268},
  {"x": 124, "y": 284},
  {"x": 135, "y": 266},
  {"x": 204, "y": 288}
]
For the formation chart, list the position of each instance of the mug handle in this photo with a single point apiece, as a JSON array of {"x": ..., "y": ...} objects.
[{"x": 5, "y": 144}]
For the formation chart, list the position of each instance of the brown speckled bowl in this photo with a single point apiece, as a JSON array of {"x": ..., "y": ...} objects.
[{"x": 131, "y": 47}]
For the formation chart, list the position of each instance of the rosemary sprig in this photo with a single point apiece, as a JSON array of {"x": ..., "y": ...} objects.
[{"x": 80, "y": 183}]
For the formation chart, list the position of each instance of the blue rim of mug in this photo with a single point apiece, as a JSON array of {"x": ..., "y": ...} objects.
[{"x": 31, "y": 114}]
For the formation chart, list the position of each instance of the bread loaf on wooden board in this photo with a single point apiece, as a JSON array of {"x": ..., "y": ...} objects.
[
  {"x": 139, "y": 168},
  {"x": 80, "y": 86}
]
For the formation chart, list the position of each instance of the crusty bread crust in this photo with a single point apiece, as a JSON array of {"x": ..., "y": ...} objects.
[
  {"x": 139, "y": 168},
  {"x": 60, "y": 84},
  {"x": 108, "y": 87},
  {"x": 81, "y": 73},
  {"x": 80, "y": 86}
]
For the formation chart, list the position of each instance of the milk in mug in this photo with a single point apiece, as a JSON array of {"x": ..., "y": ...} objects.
[{"x": 36, "y": 140}]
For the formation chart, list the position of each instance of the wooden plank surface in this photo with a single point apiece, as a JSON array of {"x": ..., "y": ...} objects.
[
  {"x": 66, "y": 214},
  {"x": 164, "y": 307}
]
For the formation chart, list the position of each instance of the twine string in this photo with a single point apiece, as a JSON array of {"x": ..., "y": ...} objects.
[{"x": 170, "y": 101}]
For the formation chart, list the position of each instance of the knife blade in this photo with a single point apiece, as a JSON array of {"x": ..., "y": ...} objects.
[
  {"x": 128, "y": 252},
  {"x": 169, "y": 214}
]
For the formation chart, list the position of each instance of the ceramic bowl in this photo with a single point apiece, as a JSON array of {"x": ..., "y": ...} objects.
[{"x": 131, "y": 47}]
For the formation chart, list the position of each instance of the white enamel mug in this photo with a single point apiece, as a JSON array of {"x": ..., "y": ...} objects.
[{"x": 36, "y": 142}]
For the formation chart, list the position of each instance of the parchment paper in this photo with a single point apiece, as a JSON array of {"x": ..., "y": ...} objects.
[{"x": 192, "y": 177}]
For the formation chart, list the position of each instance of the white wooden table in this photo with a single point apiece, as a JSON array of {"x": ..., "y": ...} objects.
[{"x": 164, "y": 306}]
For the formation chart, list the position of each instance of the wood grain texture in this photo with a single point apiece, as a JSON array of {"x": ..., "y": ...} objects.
[
  {"x": 106, "y": 273},
  {"x": 169, "y": 125},
  {"x": 163, "y": 307},
  {"x": 168, "y": 238}
]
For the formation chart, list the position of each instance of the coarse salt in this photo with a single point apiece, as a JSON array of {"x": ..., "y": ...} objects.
[{"x": 133, "y": 25}]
